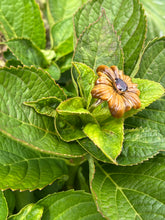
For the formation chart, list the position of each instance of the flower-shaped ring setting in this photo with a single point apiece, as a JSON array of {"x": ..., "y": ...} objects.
[{"x": 117, "y": 89}]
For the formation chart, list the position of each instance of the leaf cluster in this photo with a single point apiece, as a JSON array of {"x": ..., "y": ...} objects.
[{"x": 72, "y": 161}]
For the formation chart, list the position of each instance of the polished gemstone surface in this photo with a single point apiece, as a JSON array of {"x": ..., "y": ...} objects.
[{"x": 121, "y": 85}]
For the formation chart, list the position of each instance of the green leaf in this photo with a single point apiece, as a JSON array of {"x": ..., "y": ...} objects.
[
  {"x": 101, "y": 112},
  {"x": 45, "y": 106},
  {"x": 22, "y": 19},
  {"x": 11, "y": 60},
  {"x": 3, "y": 206},
  {"x": 23, "y": 168},
  {"x": 61, "y": 9},
  {"x": 139, "y": 145},
  {"x": 128, "y": 20},
  {"x": 155, "y": 18},
  {"x": 64, "y": 48},
  {"x": 62, "y": 37},
  {"x": 11, "y": 201},
  {"x": 152, "y": 67},
  {"x": 54, "y": 71},
  {"x": 86, "y": 79},
  {"x": 135, "y": 192},
  {"x": 69, "y": 127},
  {"x": 69, "y": 88},
  {"x": 132, "y": 35},
  {"x": 70, "y": 205},
  {"x": 152, "y": 62},
  {"x": 8, "y": 55},
  {"x": 82, "y": 181},
  {"x": 72, "y": 117},
  {"x": 29, "y": 212},
  {"x": 91, "y": 48},
  {"x": 21, "y": 122},
  {"x": 27, "y": 52},
  {"x": 49, "y": 55},
  {"x": 92, "y": 149},
  {"x": 64, "y": 62},
  {"x": 61, "y": 31},
  {"x": 149, "y": 92},
  {"x": 108, "y": 137},
  {"x": 98, "y": 45}
]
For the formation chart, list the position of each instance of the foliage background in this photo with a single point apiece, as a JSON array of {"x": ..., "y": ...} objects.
[{"x": 50, "y": 143}]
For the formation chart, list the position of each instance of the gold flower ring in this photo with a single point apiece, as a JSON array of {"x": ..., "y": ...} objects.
[{"x": 117, "y": 89}]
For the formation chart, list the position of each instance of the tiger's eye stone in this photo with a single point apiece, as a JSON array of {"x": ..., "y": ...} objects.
[{"x": 121, "y": 85}]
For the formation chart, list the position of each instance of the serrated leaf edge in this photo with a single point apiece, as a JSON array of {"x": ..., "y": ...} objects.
[
  {"x": 35, "y": 69},
  {"x": 142, "y": 108},
  {"x": 142, "y": 161},
  {"x": 149, "y": 44},
  {"x": 33, "y": 44}
]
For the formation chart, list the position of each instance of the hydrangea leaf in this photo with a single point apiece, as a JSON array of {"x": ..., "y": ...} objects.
[
  {"x": 155, "y": 18},
  {"x": 11, "y": 60},
  {"x": 150, "y": 91},
  {"x": 54, "y": 71},
  {"x": 10, "y": 199},
  {"x": 128, "y": 19},
  {"x": 69, "y": 127},
  {"x": 70, "y": 205},
  {"x": 98, "y": 45},
  {"x": 22, "y": 19},
  {"x": 152, "y": 61},
  {"x": 152, "y": 67},
  {"x": 49, "y": 54},
  {"x": 62, "y": 37},
  {"x": 64, "y": 48},
  {"x": 101, "y": 112},
  {"x": 83, "y": 180},
  {"x": 108, "y": 137},
  {"x": 27, "y": 52},
  {"x": 27, "y": 169},
  {"x": 59, "y": 10},
  {"x": 92, "y": 149},
  {"x": 139, "y": 145},
  {"x": 65, "y": 62},
  {"x": 3, "y": 206},
  {"x": 72, "y": 117},
  {"x": 60, "y": 15},
  {"x": 45, "y": 106},
  {"x": 30, "y": 211},
  {"x": 134, "y": 192},
  {"x": 85, "y": 79},
  {"x": 22, "y": 123}
]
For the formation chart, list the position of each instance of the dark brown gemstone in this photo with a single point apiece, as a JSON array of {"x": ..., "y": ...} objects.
[{"x": 121, "y": 85}]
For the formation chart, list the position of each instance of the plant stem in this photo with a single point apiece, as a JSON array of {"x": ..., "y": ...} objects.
[
  {"x": 95, "y": 104},
  {"x": 72, "y": 175}
]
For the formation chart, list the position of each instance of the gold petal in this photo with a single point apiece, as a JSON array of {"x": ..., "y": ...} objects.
[
  {"x": 115, "y": 70},
  {"x": 134, "y": 90},
  {"x": 132, "y": 97},
  {"x": 127, "y": 80},
  {"x": 103, "y": 79},
  {"x": 121, "y": 74},
  {"x": 128, "y": 104},
  {"x": 102, "y": 91},
  {"x": 106, "y": 70},
  {"x": 116, "y": 106}
]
